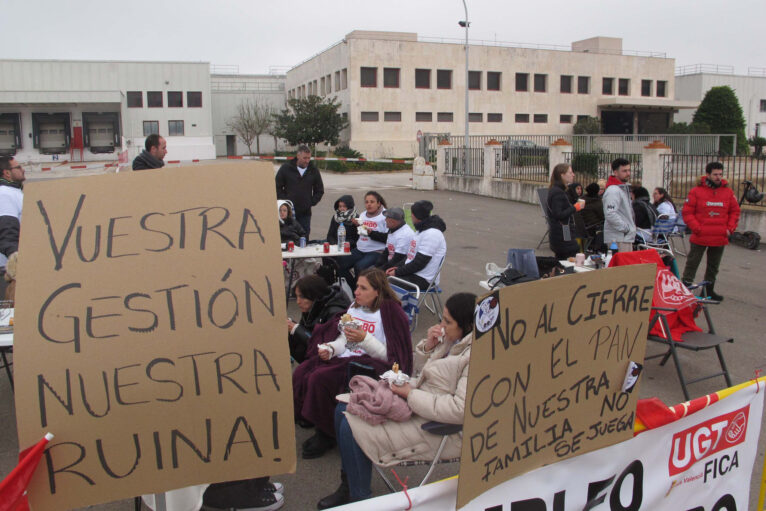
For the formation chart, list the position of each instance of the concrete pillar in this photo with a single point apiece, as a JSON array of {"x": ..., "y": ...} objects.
[
  {"x": 441, "y": 157},
  {"x": 556, "y": 153},
  {"x": 651, "y": 163},
  {"x": 491, "y": 149}
]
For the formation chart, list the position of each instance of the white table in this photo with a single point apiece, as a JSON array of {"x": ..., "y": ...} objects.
[
  {"x": 305, "y": 253},
  {"x": 577, "y": 269}
]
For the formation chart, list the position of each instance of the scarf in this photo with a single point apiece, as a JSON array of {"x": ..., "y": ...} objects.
[
  {"x": 344, "y": 216},
  {"x": 12, "y": 184}
]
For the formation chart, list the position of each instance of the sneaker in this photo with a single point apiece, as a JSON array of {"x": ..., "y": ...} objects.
[
  {"x": 244, "y": 495},
  {"x": 274, "y": 487},
  {"x": 265, "y": 501}
]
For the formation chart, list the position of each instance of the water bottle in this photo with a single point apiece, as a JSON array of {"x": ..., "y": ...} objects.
[
  {"x": 613, "y": 249},
  {"x": 341, "y": 236}
]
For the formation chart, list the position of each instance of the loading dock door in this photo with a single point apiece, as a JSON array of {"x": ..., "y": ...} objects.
[
  {"x": 52, "y": 138},
  {"x": 101, "y": 137},
  {"x": 7, "y": 139}
]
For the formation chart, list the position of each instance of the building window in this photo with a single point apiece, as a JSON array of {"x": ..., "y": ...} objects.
[
  {"x": 662, "y": 88},
  {"x": 422, "y": 78},
  {"x": 583, "y": 85},
  {"x": 423, "y": 116},
  {"x": 194, "y": 99},
  {"x": 541, "y": 118},
  {"x": 646, "y": 87},
  {"x": 623, "y": 87},
  {"x": 135, "y": 99},
  {"x": 493, "y": 80},
  {"x": 566, "y": 84},
  {"x": 175, "y": 99},
  {"x": 316, "y": 87},
  {"x": 565, "y": 119},
  {"x": 175, "y": 128},
  {"x": 344, "y": 79},
  {"x": 763, "y": 105},
  {"x": 391, "y": 77},
  {"x": 392, "y": 116},
  {"x": 443, "y": 78},
  {"x": 369, "y": 76},
  {"x": 475, "y": 117},
  {"x": 151, "y": 127},
  {"x": 582, "y": 117},
  {"x": 541, "y": 83},
  {"x": 607, "y": 86},
  {"x": 522, "y": 80},
  {"x": 474, "y": 80},
  {"x": 444, "y": 116},
  {"x": 494, "y": 117},
  {"x": 154, "y": 99},
  {"x": 522, "y": 118},
  {"x": 337, "y": 81},
  {"x": 369, "y": 116},
  {"x": 323, "y": 86}
]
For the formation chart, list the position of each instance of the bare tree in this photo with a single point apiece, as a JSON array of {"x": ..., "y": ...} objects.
[{"x": 252, "y": 121}]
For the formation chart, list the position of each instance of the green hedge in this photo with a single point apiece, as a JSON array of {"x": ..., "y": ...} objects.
[
  {"x": 346, "y": 166},
  {"x": 585, "y": 163}
]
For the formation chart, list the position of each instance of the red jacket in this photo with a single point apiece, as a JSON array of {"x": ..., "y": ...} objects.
[{"x": 710, "y": 212}]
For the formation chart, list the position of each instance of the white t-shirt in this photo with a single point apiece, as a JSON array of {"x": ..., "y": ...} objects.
[
  {"x": 375, "y": 223},
  {"x": 372, "y": 323},
  {"x": 430, "y": 242},
  {"x": 399, "y": 240},
  {"x": 11, "y": 201},
  {"x": 665, "y": 208}
]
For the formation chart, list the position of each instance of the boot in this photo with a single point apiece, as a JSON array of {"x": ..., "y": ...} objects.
[
  {"x": 712, "y": 294},
  {"x": 317, "y": 445},
  {"x": 339, "y": 498}
]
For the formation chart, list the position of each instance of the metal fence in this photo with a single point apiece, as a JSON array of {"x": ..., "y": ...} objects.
[
  {"x": 527, "y": 164},
  {"x": 454, "y": 163},
  {"x": 681, "y": 172},
  {"x": 590, "y": 167}
]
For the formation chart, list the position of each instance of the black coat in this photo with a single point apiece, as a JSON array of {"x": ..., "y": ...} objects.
[
  {"x": 304, "y": 191},
  {"x": 290, "y": 230},
  {"x": 561, "y": 211},
  {"x": 593, "y": 214},
  {"x": 334, "y": 302},
  {"x": 352, "y": 236},
  {"x": 146, "y": 161}
]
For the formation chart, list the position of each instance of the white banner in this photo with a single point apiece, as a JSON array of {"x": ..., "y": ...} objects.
[{"x": 702, "y": 462}]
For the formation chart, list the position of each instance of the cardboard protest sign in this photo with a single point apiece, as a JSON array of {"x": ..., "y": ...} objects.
[
  {"x": 548, "y": 364},
  {"x": 150, "y": 333}
]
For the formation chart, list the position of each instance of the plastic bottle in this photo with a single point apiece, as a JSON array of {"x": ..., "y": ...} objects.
[
  {"x": 613, "y": 249},
  {"x": 341, "y": 236}
]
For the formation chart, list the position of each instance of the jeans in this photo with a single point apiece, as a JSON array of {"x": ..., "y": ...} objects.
[
  {"x": 305, "y": 221},
  {"x": 359, "y": 261},
  {"x": 714, "y": 256},
  {"x": 356, "y": 464}
]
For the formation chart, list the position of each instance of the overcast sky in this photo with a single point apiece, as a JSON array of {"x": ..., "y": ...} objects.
[{"x": 257, "y": 34}]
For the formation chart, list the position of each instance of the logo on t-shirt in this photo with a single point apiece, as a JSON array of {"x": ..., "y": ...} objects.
[{"x": 412, "y": 251}]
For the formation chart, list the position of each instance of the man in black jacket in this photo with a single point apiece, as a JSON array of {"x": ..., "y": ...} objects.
[
  {"x": 299, "y": 181},
  {"x": 151, "y": 157}
]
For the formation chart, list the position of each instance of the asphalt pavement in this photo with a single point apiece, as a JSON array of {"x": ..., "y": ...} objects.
[{"x": 481, "y": 230}]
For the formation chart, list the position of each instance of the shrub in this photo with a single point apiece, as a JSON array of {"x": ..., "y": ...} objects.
[
  {"x": 585, "y": 163},
  {"x": 344, "y": 151},
  {"x": 757, "y": 143}
]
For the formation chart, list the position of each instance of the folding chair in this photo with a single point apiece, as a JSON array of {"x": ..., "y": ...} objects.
[
  {"x": 672, "y": 322},
  {"x": 524, "y": 260},
  {"x": 542, "y": 196},
  {"x": 435, "y": 428},
  {"x": 413, "y": 298}
]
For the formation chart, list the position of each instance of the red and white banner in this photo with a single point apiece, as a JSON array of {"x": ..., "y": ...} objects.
[{"x": 702, "y": 462}]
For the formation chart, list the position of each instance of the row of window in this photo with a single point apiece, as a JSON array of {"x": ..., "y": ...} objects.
[
  {"x": 472, "y": 117},
  {"x": 763, "y": 105},
  {"x": 322, "y": 87},
  {"x": 154, "y": 99},
  {"x": 175, "y": 128}
]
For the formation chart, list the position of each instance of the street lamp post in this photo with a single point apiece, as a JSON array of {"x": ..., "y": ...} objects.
[{"x": 465, "y": 24}]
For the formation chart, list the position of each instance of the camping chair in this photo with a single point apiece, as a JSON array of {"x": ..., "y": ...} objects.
[
  {"x": 542, "y": 196},
  {"x": 435, "y": 428},
  {"x": 413, "y": 298},
  {"x": 524, "y": 260},
  {"x": 672, "y": 323}
]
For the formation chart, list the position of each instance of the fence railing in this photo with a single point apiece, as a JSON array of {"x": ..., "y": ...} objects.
[
  {"x": 528, "y": 164},
  {"x": 590, "y": 167},
  {"x": 682, "y": 172},
  {"x": 454, "y": 163}
]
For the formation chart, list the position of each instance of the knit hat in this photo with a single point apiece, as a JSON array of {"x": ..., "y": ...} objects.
[
  {"x": 395, "y": 214},
  {"x": 422, "y": 209}
]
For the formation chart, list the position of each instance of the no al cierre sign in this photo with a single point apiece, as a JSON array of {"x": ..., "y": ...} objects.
[
  {"x": 548, "y": 363},
  {"x": 150, "y": 333}
]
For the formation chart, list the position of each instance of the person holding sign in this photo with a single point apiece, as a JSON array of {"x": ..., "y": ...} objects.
[
  {"x": 375, "y": 333},
  {"x": 437, "y": 394},
  {"x": 560, "y": 221}
]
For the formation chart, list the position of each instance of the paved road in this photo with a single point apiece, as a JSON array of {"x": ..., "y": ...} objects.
[{"x": 479, "y": 230}]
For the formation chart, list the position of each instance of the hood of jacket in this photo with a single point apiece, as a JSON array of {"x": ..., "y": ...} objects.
[
  {"x": 289, "y": 210},
  {"x": 703, "y": 182},
  {"x": 613, "y": 181},
  {"x": 431, "y": 222}
]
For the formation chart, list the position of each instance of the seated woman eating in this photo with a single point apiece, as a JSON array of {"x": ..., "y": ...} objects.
[
  {"x": 379, "y": 337},
  {"x": 437, "y": 394},
  {"x": 318, "y": 303}
]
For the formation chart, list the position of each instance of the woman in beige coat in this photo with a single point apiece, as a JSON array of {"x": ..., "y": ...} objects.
[{"x": 437, "y": 394}]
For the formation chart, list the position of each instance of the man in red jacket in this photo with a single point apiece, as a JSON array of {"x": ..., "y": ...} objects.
[{"x": 711, "y": 212}]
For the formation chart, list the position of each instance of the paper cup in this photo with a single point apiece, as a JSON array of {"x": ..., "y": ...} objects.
[{"x": 580, "y": 259}]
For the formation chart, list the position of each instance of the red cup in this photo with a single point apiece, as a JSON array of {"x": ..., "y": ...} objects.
[
  {"x": 347, "y": 247},
  {"x": 290, "y": 246},
  {"x": 326, "y": 247}
]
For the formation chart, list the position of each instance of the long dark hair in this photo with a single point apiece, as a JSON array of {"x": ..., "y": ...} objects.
[
  {"x": 664, "y": 197},
  {"x": 378, "y": 197},
  {"x": 461, "y": 307},
  {"x": 379, "y": 282},
  {"x": 558, "y": 171},
  {"x": 312, "y": 287}
]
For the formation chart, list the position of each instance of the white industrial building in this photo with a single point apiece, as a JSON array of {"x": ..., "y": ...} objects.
[
  {"x": 693, "y": 82},
  {"x": 89, "y": 110},
  {"x": 392, "y": 85}
]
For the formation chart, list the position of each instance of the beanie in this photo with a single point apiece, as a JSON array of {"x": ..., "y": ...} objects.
[{"x": 422, "y": 209}]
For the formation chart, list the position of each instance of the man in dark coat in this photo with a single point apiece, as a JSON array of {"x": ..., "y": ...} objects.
[
  {"x": 299, "y": 181},
  {"x": 155, "y": 149}
]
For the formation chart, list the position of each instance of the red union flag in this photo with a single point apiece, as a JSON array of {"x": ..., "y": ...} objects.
[{"x": 707, "y": 438}]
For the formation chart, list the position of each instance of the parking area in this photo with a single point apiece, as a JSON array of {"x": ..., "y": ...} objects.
[{"x": 481, "y": 230}]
